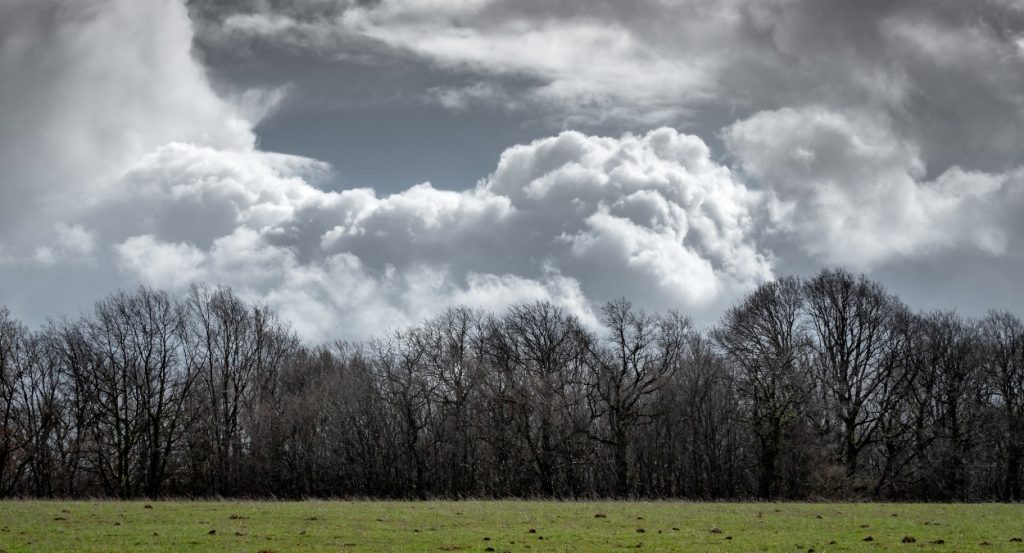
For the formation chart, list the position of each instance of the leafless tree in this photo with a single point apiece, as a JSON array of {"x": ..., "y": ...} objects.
[
  {"x": 1002, "y": 335},
  {"x": 852, "y": 322},
  {"x": 818, "y": 388},
  {"x": 234, "y": 350},
  {"x": 765, "y": 340},
  {"x": 138, "y": 383},
  {"x": 410, "y": 392},
  {"x": 639, "y": 356},
  {"x": 959, "y": 393},
  {"x": 539, "y": 354},
  {"x": 15, "y": 361},
  {"x": 455, "y": 348}
]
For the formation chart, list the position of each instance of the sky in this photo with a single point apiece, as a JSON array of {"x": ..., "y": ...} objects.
[{"x": 361, "y": 165}]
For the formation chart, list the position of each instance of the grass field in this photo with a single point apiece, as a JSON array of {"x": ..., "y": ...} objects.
[{"x": 505, "y": 526}]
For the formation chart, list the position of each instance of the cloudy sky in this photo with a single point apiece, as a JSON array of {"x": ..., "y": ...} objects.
[{"x": 362, "y": 164}]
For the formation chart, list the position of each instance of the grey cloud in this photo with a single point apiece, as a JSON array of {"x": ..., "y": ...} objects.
[
  {"x": 178, "y": 192},
  {"x": 876, "y": 134},
  {"x": 69, "y": 127},
  {"x": 659, "y": 62},
  {"x": 573, "y": 218},
  {"x": 847, "y": 189}
]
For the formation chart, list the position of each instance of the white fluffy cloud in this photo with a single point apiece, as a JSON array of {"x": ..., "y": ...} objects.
[
  {"x": 123, "y": 166},
  {"x": 88, "y": 88},
  {"x": 850, "y": 191},
  {"x": 173, "y": 190},
  {"x": 573, "y": 219}
]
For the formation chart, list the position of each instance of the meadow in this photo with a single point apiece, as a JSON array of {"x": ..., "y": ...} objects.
[{"x": 505, "y": 526}]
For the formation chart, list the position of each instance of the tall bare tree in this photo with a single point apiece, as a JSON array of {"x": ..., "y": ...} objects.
[
  {"x": 767, "y": 343},
  {"x": 1002, "y": 336},
  {"x": 638, "y": 357},
  {"x": 139, "y": 383},
  {"x": 409, "y": 391},
  {"x": 454, "y": 344},
  {"x": 15, "y": 361},
  {"x": 235, "y": 350},
  {"x": 539, "y": 352},
  {"x": 852, "y": 321}
]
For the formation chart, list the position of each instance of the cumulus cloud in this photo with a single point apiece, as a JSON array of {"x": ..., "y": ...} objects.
[
  {"x": 122, "y": 161},
  {"x": 97, "y": 85},
  {"x": 879, "y": 133},
  {"x": 572, "y": 219},
  {"x": 178, "y": 192},
  {"x": 159, "y": 263},
  {"x": 851, "y": 191}
]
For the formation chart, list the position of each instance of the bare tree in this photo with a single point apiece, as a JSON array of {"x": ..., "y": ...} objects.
[
  {"x": 639, "y": 356},
  {"x": 42, "y": 416},
  {"x": 1002, "y": 337},
  {"x": 806, "y": 388},
  {"x": 852, "y": 321},
  {"x": 905, "y": 430},
  {"x": 539, "y": 353},
  {"x": 955, "y": 356},
  {"x": 454, "y": 346},
  {"x": 235, "y": 351},
  {"x": 695, "y": 444},
  {"x": 138, "y": 385},
  {"x": 72, "y": 354},
  {"x": 15, "y": 360},
  {"x": 407, "y": 388},
  {"x": 765, "y": 340}
]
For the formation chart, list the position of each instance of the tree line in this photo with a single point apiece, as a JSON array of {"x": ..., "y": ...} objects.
[{"x": 827, "y": 387}]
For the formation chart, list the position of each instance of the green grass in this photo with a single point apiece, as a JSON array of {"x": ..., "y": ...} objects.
[{"x": 532, "y": 526}]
